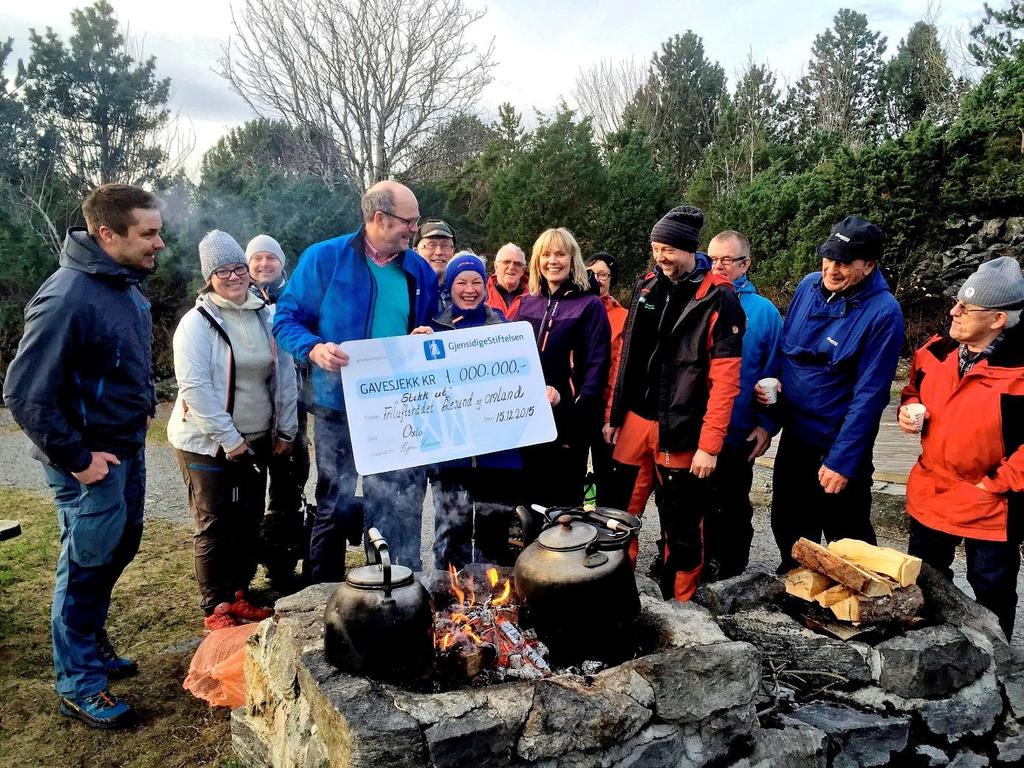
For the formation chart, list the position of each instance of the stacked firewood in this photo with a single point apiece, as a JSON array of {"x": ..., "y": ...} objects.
[{"x": 860, "y": 583}]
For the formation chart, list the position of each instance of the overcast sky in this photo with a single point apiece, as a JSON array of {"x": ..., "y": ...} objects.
[{"x": 540, "y": 45}]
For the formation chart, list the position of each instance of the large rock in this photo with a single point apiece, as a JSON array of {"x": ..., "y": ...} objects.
[
  {"x": 790, "y": 646},
  {"x": 358, "y": 720},
  {"x": 862, "y": 739},
  {"x": 971, "y": 711},
  {"x": 751, "y": 589},
  {"x": 692, "y": 684},
  {"x": 930, "y": 757},
  {"x": 1009, "y": 744},
  {"x": 968, "y": 759},
  {"x": 570, "y": 716},
  {"x": 945, "y": 603},
  {"x": 671, "y": 624},
  {"x": 929, "y": 662},
  {"x": 797, "y": 746}
]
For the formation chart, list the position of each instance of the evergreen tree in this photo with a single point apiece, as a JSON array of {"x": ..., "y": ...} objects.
[
  {"x": 918, "y": 80},
  {"x": 998, "y": 35},
  {"x": 99, "y": 108},
  {"x": 840, "y": 96},
  {"x": 678, "y": 106},
  {"x": 558, "y": 181}
]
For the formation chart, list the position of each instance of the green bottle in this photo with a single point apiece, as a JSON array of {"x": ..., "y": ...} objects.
[{"x": 589, "y": 493}]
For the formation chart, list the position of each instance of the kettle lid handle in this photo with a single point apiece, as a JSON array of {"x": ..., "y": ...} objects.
[{"x": 379, "y": 556}]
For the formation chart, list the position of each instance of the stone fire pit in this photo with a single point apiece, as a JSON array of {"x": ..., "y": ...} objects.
[{"x": 732, "y": 682}]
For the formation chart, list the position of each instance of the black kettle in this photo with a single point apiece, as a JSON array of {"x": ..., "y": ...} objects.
[
  {"x": 380, "y": 622},
  {"x": 581, "y": 597}
]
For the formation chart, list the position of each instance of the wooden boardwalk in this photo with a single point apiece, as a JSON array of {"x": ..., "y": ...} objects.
[{"x": 895, "y": 451}]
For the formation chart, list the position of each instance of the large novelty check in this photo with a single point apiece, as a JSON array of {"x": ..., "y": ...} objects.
[{"x": 414, "y": 400}]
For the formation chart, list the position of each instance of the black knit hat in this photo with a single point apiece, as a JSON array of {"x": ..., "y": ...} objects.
[
  {"x": 680, "y": 228},
  {"x": 613, "y": 268}
]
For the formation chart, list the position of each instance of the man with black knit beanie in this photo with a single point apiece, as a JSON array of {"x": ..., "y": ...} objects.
[{"x": 674, "y": 388}]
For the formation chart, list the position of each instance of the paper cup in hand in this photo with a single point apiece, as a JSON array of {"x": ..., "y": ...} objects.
[
  {"x": 770, "y": 387},
  {"x": 916, "y": 412}
]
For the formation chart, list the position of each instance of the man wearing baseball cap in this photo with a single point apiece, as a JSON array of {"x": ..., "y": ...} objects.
[
  {"x": 968, "y": 480},
  {"x": 436, "y": 244},
  {"x": 840, "y": 344}
]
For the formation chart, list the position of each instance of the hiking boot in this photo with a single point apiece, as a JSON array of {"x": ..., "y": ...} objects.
[
  {"x": 115, "y": 666},
  {"x": 101, "y": 710},
  {"x": 243, "y": 610},
  {"x": 221, "y": 618}
]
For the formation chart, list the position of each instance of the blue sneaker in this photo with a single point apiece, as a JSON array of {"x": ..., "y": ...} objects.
[
  {"x": 115, "y": 666},
  {"x": 101, "y": 710}
]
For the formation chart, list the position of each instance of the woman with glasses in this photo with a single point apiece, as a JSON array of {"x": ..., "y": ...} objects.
[
  {"x": 236, "y": 407},
  {"x": 573, "y": 336}
]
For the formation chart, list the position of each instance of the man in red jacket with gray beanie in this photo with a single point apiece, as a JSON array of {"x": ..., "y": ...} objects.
[{"x": 968, "y": 482}]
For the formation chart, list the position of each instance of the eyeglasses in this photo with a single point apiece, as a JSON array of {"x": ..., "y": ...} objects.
[
  {"x": 727, "y": 261},
  {"x": 225, "y": 272},
  {"x": 960, "y": 308},
  {"x": 600, "y": 275},
  {"x": 516, "y": 264},
  {"x": 410, "y": 223}
]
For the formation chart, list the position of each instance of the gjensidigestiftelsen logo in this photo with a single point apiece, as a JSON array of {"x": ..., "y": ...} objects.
[{"x": 433, "y": 349}]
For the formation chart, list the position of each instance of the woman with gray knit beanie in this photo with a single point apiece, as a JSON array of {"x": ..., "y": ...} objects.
[{"x": 235, "y": 407}]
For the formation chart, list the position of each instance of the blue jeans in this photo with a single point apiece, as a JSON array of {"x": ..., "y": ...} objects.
[
  {"x": 100, "y": 532},
  {"x": 392, "y": 503}
]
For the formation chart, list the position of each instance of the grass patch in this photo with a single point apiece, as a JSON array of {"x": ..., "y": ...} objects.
[
  {"x": 155, "y": 613},
  {"x": 156, "y": 434}
]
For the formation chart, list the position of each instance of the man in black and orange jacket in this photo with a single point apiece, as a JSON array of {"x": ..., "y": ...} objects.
[
  {"x": 968, "y": 482},
  {"x": 678, "y": 375}
]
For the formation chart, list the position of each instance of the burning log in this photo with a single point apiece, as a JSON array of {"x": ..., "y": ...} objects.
[
  {"x": 817, "y": 558},
  {"x": 903, "y": 604},
  {"x": 903, "y": 568}
]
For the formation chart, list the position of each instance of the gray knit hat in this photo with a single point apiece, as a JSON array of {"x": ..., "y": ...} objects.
[
  {"x": 265, "y": 244},
  {"x": 218, "y": 249},
  {"x": 998, "y": 284}
]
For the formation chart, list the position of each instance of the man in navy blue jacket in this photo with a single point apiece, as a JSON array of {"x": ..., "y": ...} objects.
[
  {"x": 81, "y": 388},
  {"x": 840, "y": 344},
  {"x": 364, "y": 285}
]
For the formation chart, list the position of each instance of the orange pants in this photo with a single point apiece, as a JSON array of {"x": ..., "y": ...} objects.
[{"x": 679, "y": 508}]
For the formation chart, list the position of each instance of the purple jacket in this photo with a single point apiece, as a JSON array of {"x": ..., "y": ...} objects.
[{"x": 574, "y": 339}]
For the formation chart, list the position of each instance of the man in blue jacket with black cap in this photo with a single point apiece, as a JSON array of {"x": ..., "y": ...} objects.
[
  {"x": 840, "y": 344},
  {"x": 368, "y": 284}
]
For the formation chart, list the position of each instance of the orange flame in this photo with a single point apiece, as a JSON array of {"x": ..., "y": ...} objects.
[
  {"x": 506, "y": 592},
  {"x": 492, "y": 576},
  {"x": 453, "y": 579}
]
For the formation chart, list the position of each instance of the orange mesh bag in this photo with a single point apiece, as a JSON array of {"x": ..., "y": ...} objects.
[{"x": 215, "y": 673}]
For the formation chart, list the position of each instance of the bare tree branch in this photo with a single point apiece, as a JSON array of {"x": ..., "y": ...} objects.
[
  {"x": 376, "y": 76},
  {"x": 605, "y": 90}
]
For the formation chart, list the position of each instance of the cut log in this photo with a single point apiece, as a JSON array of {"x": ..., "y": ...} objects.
[
  {"x": 833, "y": 595},
  {"x": 817, "y": 558},
  {"x": 902, "y": 604},
  {"x": 806, "y": 584},
  {"x": 885, "y": 560}
]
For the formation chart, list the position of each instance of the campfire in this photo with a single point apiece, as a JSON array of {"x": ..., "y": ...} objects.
[{"x": 477, "y": 636}]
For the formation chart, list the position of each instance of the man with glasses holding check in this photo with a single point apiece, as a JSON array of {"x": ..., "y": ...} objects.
[
  {"x": 507, "y": 286},
  {"x": 363, "y": 285}
]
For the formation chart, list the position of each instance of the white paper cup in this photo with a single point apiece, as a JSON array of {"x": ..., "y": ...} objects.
[
  {"x": 916, "y": 412},
  {"x": 770, "y": 387}
]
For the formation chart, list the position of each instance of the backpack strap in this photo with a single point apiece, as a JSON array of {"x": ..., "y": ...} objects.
[{"x": 231, "y": 358}]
